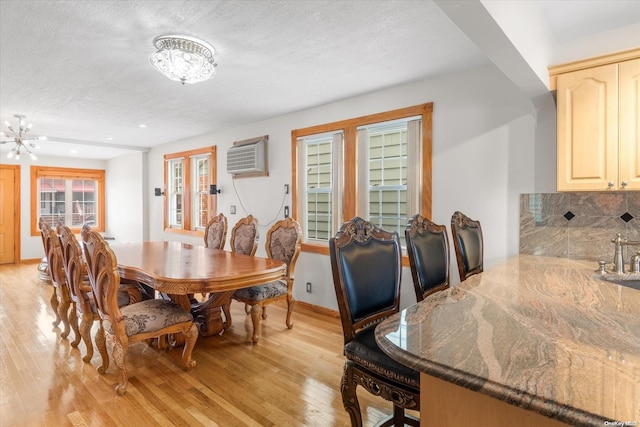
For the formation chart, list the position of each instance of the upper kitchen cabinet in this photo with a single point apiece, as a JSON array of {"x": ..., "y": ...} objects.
[{"x": 598, "y": 118}]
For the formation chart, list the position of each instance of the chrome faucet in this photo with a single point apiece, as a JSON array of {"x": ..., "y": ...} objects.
[{"x": 618, "y": 259}]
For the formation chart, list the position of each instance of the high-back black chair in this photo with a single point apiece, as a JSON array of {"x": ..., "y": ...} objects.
[
  {"x": 367, "y": 268},
  {"x": 428, "y": 251},
  {"x": 468, "y": 242}
]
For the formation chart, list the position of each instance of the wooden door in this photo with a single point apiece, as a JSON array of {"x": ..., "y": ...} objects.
[
  {"x": 629, "y": 76},
  {"x": 588, "y": 129},
  {"x": 9, "y": 214}
]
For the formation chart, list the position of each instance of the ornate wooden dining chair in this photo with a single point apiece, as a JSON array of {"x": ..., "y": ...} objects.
[
  {"x": 468, "y": 243},
  {"x": 44, "y": 275},
  {"x": 367, "y": 267},
  {"x": 244, "y": 240},
  {"x": 43, "y": 270},
  {"x": 428, "y": 251},
  {"x": 61, "y": 287},
  {"x": 80, "y": 291},
  {"x": 215, "y": 234},
  {"x": 152, "y": 318},
  {"x": 284, "y": 240},
  {"x": 244, "y": 236}
]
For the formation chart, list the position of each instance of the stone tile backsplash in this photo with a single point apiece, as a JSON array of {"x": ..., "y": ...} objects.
[{"x": 579, "y": 225}]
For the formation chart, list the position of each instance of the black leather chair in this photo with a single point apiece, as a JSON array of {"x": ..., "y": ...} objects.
[
  {"x": 367, "y": 267},
  {"x": 468, "y": 242},
  {"x": 428, "y": 250}
]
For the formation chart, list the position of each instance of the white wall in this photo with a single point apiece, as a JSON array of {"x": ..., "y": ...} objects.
[
  {"x": 126, "y": 193},
  {"x": 490, "y": 143},
  {"x": 486, "y": 142}
]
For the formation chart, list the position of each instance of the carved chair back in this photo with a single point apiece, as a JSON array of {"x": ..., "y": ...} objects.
[
  {"x": 54, "y": 255},
  {"x": 244, "y": 236},
  {"x": 75, "y": 268},
  {"x": 103, "y": 276},
  {"x": 46, "y": 243},
  {"x": 468, "y": 243},
  {"x": 284, "y": 241},
  {"x": 428, "y": 251},
  {"x": 215, "y": 233},
  {"x": 367, "y": 267}
]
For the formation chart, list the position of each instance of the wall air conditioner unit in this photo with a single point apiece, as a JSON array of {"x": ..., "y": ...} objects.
[{"x": 248, "y": 157}]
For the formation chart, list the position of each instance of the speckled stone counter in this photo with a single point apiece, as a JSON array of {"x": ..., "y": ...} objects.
[{"x": 541, "y": 333}]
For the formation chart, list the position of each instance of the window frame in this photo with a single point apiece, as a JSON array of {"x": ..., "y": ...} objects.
[
  {"x": 349, "y": 174},
  {"x": 187, "y": 189},
  {"x": 38, "y": 172}
]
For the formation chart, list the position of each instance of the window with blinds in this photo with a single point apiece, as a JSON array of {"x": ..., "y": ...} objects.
[
  {"x": 319, "y": 186},
  {"x": 387, "y": 175},
  {"x": 188, "y": 175},
  {"x": 377, "y": 167}
]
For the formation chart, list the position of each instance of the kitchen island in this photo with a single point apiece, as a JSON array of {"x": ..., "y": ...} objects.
[{"x": 535, "y": 341}]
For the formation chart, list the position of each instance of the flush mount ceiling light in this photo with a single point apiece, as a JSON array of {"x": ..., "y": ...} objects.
[
  {"x": 20, "y": 138},
  {"x": 184, "y": 59}
]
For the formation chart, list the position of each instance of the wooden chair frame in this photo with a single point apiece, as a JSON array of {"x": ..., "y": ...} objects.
[
  {"x": 64, "y": 304},
  {"x": 54, "y": 295},
  {"x": 81, "y": 294}
]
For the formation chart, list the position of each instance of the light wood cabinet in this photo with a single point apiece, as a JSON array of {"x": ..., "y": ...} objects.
[{"x": 598, "y": 127}]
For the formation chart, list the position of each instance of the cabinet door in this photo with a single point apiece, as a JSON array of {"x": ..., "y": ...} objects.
[
  {"x": 588, "y": 129},
  {"x": 629, "y": 114}
]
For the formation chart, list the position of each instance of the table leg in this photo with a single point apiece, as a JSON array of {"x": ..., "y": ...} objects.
[{"x": 208, "y": 314}]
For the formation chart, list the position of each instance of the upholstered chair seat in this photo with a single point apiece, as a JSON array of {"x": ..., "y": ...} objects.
[
  {"x": 150, "y": 316},
  {"x": 263, "y": 292},
  {"x": 364, "y": 350}
]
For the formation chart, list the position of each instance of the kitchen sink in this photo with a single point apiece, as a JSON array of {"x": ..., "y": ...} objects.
[{"x": 631, "y": 280}]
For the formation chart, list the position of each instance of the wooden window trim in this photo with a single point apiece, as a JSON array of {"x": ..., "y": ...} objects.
[
  {"x": 187, "y": 189},
  {"x": 349, "y": 128},
  {"x": 38, "y": 172}
]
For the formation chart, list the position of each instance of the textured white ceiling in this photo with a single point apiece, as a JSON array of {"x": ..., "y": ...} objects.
[{"x": 80, "y": 72}]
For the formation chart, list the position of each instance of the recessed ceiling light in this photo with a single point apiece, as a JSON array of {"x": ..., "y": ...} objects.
[
  {"x": 74, "y": 151},
  {"x": 108, "y": 138},
  {"x": 142, "y": 126}
]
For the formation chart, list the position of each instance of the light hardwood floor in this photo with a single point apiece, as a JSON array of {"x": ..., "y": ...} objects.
[{"x": 290, "y": 378}]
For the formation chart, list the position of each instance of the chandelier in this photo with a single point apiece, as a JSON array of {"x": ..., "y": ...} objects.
[
  {"x": 184, "y": 59},
  {"x": 20, "y": 138}
]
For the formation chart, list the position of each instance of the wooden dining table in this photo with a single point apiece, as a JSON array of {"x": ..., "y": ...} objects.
[{"x": 180, "y": 270}]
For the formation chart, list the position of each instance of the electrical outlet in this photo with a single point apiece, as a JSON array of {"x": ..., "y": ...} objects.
[
  {"x": 309, "y": 287},
  {"x": 286, "y": 211},
  {"x": 232, "y": 209},
  {"x": 286, "y": 189}
]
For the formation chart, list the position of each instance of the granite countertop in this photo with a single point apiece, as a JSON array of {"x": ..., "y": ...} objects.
[{"x": 538, "y": 332}]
